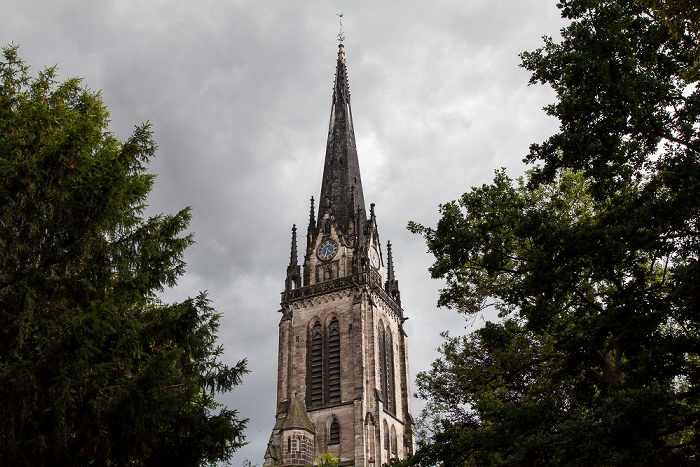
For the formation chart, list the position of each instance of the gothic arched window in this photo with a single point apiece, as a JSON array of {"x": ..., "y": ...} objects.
[
  {"x": 316, "y": 365},
  {"x": 386, "y": 435},
  {"x": 386, "y": 368},
  {"x": 334, "y": 437},
  {"x": 382, "y": 361},
  {"x": 334, "y": 362},
  {"x": 390, "y": 393},
  {"x": 394, "y": 450},
  {"x": 323, "y": 364}
]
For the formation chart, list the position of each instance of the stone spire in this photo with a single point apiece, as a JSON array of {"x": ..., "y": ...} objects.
[
  {"x": 341, "y": 171},
  {"x": 360, "y": 253},
  {"x": 310, "y": 230},
  {"x": 293, "y": 270},
  {"x": 391, "y": 285}
]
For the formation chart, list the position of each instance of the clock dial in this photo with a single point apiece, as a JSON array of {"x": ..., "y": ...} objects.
[
  {"x": 327, "y": 250},
  {"x": 374, "y": 258}
]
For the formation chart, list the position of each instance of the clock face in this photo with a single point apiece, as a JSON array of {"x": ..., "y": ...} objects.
[
  {"x": 327, "y": 250},
  {"x": 374, "y": 258}
]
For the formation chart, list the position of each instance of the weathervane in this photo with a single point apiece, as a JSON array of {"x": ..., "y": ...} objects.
[{"x": 341, "y": 34}]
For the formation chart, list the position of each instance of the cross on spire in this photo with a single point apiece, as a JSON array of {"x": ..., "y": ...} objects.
[{"x": 341, "y": 34}]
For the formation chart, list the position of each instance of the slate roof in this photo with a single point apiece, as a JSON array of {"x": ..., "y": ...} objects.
[
  {"x": 298, "y": 419},
  {"x": 342, "y": 185}
]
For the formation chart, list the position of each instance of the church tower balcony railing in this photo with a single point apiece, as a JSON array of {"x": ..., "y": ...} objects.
[{"x": 372, "y": 279}]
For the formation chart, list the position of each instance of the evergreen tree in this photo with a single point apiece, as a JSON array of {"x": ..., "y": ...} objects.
[
  {"x": 592, "y": 261},
  {"x": 94, "y": 369}
]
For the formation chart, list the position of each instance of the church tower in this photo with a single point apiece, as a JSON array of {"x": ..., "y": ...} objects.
[{"x": 343, "y": 381}]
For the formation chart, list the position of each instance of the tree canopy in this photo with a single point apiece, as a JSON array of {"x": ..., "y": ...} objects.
[
  {"x": 591, "y": 259},
  {"x": 94, "y": 368}
]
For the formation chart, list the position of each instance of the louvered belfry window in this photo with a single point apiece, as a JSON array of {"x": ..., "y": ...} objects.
[
  {"x": 316, "y": 365},
  {"x": 323, "y": 364},
  {"x": 334, "y": 362},
  {"x": 334, "y": 432},
  {"x": 382, "y": 361},
  {"x": 386, "y": 369},
  {"x": 390, "y": 395}
]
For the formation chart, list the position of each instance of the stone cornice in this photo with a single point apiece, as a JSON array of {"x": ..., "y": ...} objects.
[{"x": 371, "y": 279}]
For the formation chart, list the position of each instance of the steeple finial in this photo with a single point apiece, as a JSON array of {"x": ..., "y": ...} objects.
[{"x": 341, "y": 34}]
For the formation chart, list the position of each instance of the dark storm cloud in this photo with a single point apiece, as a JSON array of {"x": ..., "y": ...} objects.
[{"x": 239, "y": 93}]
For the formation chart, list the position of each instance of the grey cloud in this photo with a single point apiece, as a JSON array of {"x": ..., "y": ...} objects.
[{"x": 239, "y": 96}]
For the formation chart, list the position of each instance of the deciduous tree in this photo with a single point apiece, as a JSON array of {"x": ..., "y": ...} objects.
[{"x": 592, "y": 261}]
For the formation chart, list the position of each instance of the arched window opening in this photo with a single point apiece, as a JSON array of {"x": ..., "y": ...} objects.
[
  {"x": 386, "y": 369},
  {"x": 298, "y": 445},
  {"x": 334, "y": 437},
  {"x": 390, "y": 393},
  {"x": 316, "y": 365},
  {"x": 382, "y": 361},
  {"x": 386, "y": 436},
  {"x": 394, "y": 449},
  {"x": 289, "y": 444},
  {"x": 334, "y": 362},
  {"x": 323, "y": 364}
]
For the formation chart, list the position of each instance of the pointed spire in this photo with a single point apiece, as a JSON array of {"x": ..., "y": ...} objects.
[
  {"x": 293, "y": 270},
  {"x": 312, "y": 219},
  {"x": 391, "y": 285},
  {"x": 341, "y": 172},
  {"x": 298, "y": 419},
  {"x": 390, "y": 262},
  {"x": 359, "y": 242},
  {"x": 310, "y": 230},
  {"x": 341, "y": 90},
  {"x": 293, "y": 255}
]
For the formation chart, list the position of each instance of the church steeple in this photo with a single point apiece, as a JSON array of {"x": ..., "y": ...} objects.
[
  {"x": 341, "y": 189},
  {"x": 331, "y": 397}
]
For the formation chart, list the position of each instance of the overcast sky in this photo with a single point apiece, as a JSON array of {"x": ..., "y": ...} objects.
[{"x": 239, "y": 96}]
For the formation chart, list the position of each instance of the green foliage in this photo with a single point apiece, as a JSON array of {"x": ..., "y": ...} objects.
[
  {"x": 326, "y": 460},
  {"x": 395, "y": 462},
  {"x": 94, "y": 369},
  {"x": 592, "y": 261},
  {"x": 682, "y": 17}
]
